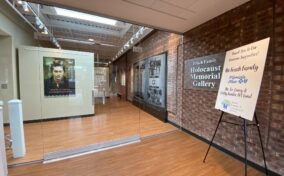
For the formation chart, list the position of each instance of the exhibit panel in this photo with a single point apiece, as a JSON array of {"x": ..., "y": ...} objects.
[
  {"x": 42, "y": 97},
  {"x": 57, "y": 90},
  {"x": 156, "y": 93},
  {"x": 101, "y": 88},
  {"x": 150, "y": 85}
]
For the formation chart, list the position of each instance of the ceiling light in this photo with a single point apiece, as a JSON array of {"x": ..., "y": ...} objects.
[
  {"x": 127, "y": 44},
  {"x": 25, "y": 6},
  {"x": 39, "y": 24},
  {"x": 76, "y": 41},
  {"x": 45, "y": 31},
  {"x": 20, "y": 2},
  {"x": 105, "y": 44},
  {"x": 91, "y": 40},
  {"x": 84, "y": 16}
]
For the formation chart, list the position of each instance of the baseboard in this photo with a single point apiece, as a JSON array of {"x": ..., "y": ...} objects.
[
  {"x": 26, "y": 163},
  {"x": 250, "y": 163}
]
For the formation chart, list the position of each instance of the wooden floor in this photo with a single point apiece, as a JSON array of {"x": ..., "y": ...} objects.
[
  {"x": 113, "y": 120},
  {"x": 173, "y": 154}
]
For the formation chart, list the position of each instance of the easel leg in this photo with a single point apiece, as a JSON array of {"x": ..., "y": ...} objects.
[
  {"x": 220, "y": 119},
  {"x": 245, "y": 135},
  {"x": 257, "y": 124}
]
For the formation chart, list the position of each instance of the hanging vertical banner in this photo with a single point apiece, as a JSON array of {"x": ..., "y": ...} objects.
[{"x": 241, "y": 79}]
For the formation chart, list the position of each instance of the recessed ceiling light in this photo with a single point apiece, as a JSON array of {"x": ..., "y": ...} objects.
[
  {"x": 20, "y": 2},
  {"x": 84, "y": 16}
]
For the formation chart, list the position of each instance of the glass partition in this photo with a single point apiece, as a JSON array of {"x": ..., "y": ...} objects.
[
  {"x": 18, "y": 88},
  {"x": 75, "y": 99}
]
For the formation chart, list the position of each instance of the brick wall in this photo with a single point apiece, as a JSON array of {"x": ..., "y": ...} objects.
[
  {"x": 158, "y": 42},
  {"x": 245, "y": 24},
  {"x": 194, "y": 109}
]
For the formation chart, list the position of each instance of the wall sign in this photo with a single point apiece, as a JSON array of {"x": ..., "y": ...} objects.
[
  {"x": 204, "y": 72},
  {"x": 241, "y": 79}
]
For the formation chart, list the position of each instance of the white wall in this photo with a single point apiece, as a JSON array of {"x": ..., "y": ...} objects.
[
  {"x": 6, "y": 72},
  {"x": 3, "y": 162},
  {"x": 15, "y": 33},
  {"x": 35, "y": 104}
]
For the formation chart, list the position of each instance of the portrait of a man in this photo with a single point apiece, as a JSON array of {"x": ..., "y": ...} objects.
[{"x": 59, "y": 76}]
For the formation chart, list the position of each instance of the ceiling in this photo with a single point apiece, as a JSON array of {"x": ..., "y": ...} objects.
[
  {"x": 111, "y": 41},
  {"x": 171, "y": 15},
  {"x": 75, "y": 34}
]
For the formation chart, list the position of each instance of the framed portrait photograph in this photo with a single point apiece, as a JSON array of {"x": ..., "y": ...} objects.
[{"x": 59, "y": 76}]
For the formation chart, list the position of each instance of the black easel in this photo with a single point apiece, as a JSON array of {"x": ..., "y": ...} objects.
[{"x": 244, "y": 125}]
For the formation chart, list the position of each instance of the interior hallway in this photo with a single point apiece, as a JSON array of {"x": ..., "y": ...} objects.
[
  {"x": 172, "y": 154},
  {"x": 114, "y": 120}
]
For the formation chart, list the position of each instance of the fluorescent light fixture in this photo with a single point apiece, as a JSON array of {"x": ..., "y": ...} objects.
[
  {"x": 84, "y": 16},
  {"x": 105, "y": 44},
  {"x": 75, "y": 41}
]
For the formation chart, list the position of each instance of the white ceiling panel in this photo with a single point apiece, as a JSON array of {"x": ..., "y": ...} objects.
[
  {"x": 146, "y": 3},
  {"x": 185, "y": 4},
  {"x": 160, "y": 17},
  {"x": 168, "y": 8}
]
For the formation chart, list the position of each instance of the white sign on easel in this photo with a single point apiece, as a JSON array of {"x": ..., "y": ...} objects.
[{"x": 241, "y": 79}]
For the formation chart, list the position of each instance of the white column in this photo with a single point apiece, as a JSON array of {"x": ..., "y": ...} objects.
[
  {"x": 104, "y": 96},
  {"x": 3, "y": 160},
  {"x": 17, "y": 128}
]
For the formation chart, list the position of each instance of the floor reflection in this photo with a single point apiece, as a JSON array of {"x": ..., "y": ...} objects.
[{"x": 113, "y": 120}]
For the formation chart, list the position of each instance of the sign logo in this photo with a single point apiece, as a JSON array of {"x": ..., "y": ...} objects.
[
  {"x": 226, "y": 104},
  {"x": 238, "y": 79}
]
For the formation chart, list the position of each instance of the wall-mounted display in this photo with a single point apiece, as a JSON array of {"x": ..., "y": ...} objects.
[
  {"x": 59, "y": 76},
  {"x": 204, "y": 73},
  {"x": 150, "y": 80}
]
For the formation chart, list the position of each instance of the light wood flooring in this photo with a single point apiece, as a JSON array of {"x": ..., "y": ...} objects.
[
  {"x": 172, "y": 154},
  {"x": 116, "y": 119}
]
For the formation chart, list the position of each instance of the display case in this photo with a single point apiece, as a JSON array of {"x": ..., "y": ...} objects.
[{"x": 150, "y": 85}]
